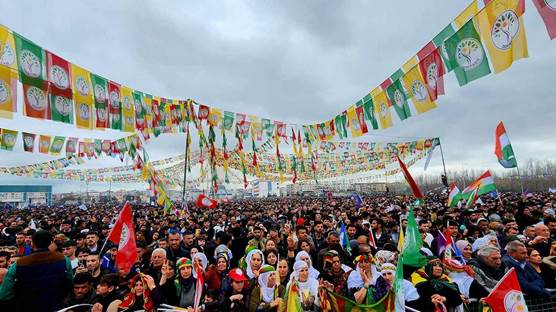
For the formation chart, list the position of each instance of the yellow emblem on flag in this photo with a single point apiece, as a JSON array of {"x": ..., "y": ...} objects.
[
  {"x": 503, "y": 32},
  {"x": 382, "y": 108},
  {"x": 82, "y": 97},
  {"x": 417, "y": 90}
]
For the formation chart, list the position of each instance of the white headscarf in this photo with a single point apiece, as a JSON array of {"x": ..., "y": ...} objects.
[
  {"x": 314, "y": 273},
  {"x": 267, "y": 292},
  {"x": 311, "y": 285},
  {"x": 204, "y": 261},
  {"x": 250, "y": 273}
]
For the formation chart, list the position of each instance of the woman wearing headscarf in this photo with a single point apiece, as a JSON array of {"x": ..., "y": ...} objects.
[
  {"x": 388, "y": 272},
  {"x": 334, "y": 273},
  {"x": 304, "y": 256},
  {"x": 465, "y": 249},
  {"x": 268, "y": 295},
  {"x": 254, "y": 261},
  {"x": 463, "y": 276},
  {"x": 360, "y": 286},
  {"x": 216, "y": 274},
  {"x": 307, "y": 286},
  {"x": 183, "y": 290},
  {"x": 199, "y": 260},
  {"x": 435, "y": 288},
  {"x": 143, "y": 295}
]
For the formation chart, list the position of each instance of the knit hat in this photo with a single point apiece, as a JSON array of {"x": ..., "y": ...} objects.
[{"x": 183, "y": 262}]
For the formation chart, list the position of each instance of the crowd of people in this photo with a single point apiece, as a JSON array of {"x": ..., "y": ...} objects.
[{"x": 250, "y": 253}]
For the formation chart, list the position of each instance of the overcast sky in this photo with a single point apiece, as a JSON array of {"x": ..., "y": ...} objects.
[{"x": 294, "y": 61}]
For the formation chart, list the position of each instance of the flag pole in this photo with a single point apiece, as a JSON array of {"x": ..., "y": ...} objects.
[
  {"x": 442, "y": 155},
  {"x": 519, "y": 177},
  {"x": 183, "y": 202}
]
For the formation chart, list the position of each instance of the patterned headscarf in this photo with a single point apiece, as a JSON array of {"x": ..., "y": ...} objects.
[{"x": 130, "y": 297}]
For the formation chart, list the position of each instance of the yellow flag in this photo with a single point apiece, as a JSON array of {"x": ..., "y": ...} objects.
[
  {"x": 466, "y": 14},
  {"x": 410, "y": 64},
  {"x": 415, "y": 86},
  {"x": 354, "y": 122},
  {"x": 82, "y": 97},
  {"x": 382, "y": 108},
  {"x": 8, "y": 90},
  {"x": 214, "y": 117},
  {"x": 128, "y": 109},
  {"x": 503, "y": 32},
  {"x": 9, "y": 74},
  {"x": 7, "y": 49}
]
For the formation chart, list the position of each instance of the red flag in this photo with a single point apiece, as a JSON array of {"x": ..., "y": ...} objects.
[
  {"x": 37, "y": 104},
  {"x": 507, "y": 295},
  {"x": 416, "y": 191},
  {"x": 59, "y": 76},
  {"x": 361, "y": 117},
  {"x": 547, "y": 10},
  {"x": 123, "y": 234},
  {"x": 432, "y": 70},
  {"x": 203, "y": 201},
  {"x": 371, "y": 237},
  {"x": 203, "y": 112},
  {"x": 199, "y": 285}
]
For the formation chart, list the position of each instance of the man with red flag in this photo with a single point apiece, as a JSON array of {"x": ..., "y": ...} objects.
[{"x": 123, "y": 234}]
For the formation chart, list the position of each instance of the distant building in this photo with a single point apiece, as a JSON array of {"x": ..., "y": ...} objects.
[{"x": 24, "y": 195}]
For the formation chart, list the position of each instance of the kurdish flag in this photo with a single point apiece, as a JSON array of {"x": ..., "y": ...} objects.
[
  {"x": 454, "y": 196},
  {"x": 484, "y": 184},
  {"x": 503, "y": 148}
]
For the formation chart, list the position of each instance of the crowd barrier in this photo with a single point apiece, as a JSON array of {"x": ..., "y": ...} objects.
[{"x": 533, "y": 304}]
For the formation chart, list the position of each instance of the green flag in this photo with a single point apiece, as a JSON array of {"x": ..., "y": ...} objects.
[
  {"x": 369, "y": 109},
  {"x": 228, "y": 121},
  {"x": 268, "y": 127},
  {"x": 438, "y": 41},
  {"x": 31, "y": 61},
  {"x": 398, "y": 98},
  {"x": 9, "y": 137},
  {"x": 57, "y": 144},
  {"x": 340, "y": 123},
  {"x": 61, "y": 108},
  {"x": 466, "y": 54},
  {"x": 412, "y": 245},
  {"x": 100, "y": 87},
  {"x": 139, "y": 104}
]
